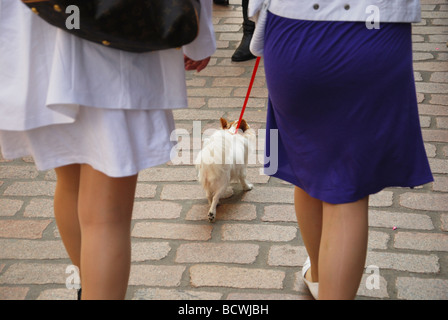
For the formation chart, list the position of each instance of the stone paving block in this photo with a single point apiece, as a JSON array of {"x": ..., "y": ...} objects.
[
  {"x": 182, "y": 192},
  {"x": 148, "y": 251},
  {"x": 287, "y": 255},
  {"x": 378, "y": 240},
  {"x": 240, "y": 253},
  {"x": 270, "y": 195},
  {"x": 31, "y": 189},
  {"x": 257, "y": 232},
  {"x": 439, "y": 76},
  {"x": 168, "y": 174},
  {"x": 39, "y": 208},
  {"x": 29, "y": 249},
  {"x": 232, "y": 102},
  {"x": 179, "y": 231},
  {"x": 421, "y": 241},
  {"x": 145, "y": 190},
  {"x": 175, "y": 294},
  {"x": 255, "y": 176},
  {"x": 430, "y": 66},
  {"x": 222, "y": 72},
  {"x": 235, "y": 277},
  {"x": 438, "y": 165},
  {"x": 266, "y": 296},
  {"x": 156, "y": 210},
  {"x": 9, "y": 207},
  {"x": 412, "y": 288},
  {"x": 196, "y": 102},
  {"x": 190, "y": 114},
  {"x": 422, "y": 56},
  {"x": 58, "y": 294},
  {"x": 439, "y": 99},
  {"x": 442, "y": 123},
  {"x": 401, "y": 220},
  {"x": 429, "y": 30},
  {"x": 421, "y": 263},
  {"x": 34, "y": 273},
  {"x": 280, "y": 212},
  {"x": 18, "y": 172},
  {"x": 431, "y": 150},
  {"x": 25, "y": 229},
  {"x": 431, "y": 87},
  {"x": 13, "y": 293},
  {"x": 425, "y": 201},
  {"x": 256, "y": 92},
  {"x": 381, "y": 199},
  {"x": 210, "y": 92},
  {"x": 433, "y": 109},
  {"x": 238, "y": 82},
  {"x": 444, "y": 222},
  {"x": 156, "y": 275},
  {"x": 425, "y": 121}
]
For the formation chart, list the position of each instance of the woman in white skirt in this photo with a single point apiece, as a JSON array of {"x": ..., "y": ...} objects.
[{"x": 97, "y": 116}]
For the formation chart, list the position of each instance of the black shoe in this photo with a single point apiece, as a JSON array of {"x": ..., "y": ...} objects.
[
  {"x": 79, "y": 294},
  {"x": 221, "y": 2},
  {"x": 242, "y": 53}
]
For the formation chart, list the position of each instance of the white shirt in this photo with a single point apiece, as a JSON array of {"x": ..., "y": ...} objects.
[
  {"x": 342, "y": 10},
  {"x": 369, "y": 11},
  {"x": 46, "y": 73}
]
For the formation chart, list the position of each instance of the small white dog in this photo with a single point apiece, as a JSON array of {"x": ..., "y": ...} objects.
[{"x": 222, "y": 160}]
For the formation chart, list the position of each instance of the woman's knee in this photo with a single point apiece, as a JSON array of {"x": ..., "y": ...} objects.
[{"x": 105, "y": 200}]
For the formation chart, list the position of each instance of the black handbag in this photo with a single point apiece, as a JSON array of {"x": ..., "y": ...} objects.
[{"x": 129, "y": 25}]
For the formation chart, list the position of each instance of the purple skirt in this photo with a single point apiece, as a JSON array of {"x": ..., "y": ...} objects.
[{"x": 343, "y": 100}]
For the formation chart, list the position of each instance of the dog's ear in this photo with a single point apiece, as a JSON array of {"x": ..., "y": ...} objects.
[
  {"x": 243, "y": 125},
  {"x": 223, "y": 123}
]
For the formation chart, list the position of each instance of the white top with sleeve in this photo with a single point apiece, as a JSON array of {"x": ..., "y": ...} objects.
[
  {"x": 342, "y": 10},
  {"x": 47, "y": 73},
  {"x": 369, "y": 11}
]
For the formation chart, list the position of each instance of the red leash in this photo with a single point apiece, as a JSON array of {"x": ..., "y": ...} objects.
[{"x": 254, "y": 73}]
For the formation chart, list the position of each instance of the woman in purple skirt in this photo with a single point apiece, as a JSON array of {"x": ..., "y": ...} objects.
[{"x": 342, "y": 97}]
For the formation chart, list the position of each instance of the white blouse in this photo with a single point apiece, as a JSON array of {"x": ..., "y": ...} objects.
[
  {"x": 342, "y": 10},
  {"x": 369, "y": 11},
  {"x": 46, "y": 73}
]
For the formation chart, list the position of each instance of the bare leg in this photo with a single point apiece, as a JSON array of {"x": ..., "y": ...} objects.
[
  {"x": 105, "y": 210},
  {"x": 66, "y": 210},
  {"x": 309, "y": 217},
  {"x": 343, "y": 249}
]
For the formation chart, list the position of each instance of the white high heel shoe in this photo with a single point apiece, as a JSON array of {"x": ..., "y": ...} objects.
[{"x": 312, "y": 286}]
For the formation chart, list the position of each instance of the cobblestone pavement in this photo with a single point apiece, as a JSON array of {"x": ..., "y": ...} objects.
[{"x": 254, "y": 249}]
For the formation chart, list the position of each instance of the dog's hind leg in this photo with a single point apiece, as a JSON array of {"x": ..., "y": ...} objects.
[
  {"x": 212, "y": 211},
  {"x": 246, "y": 184},
  {"x": 209, "y": 196}
]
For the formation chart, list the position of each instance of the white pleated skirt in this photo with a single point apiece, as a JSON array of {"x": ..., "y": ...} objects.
[{"x": 116, "y": 142}]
